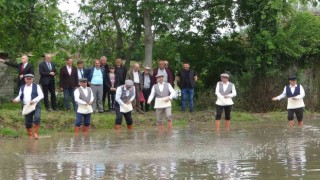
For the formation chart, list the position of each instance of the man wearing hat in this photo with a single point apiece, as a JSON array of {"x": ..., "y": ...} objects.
[
  {"x": 162, "y": 91},
  {"x": 135, "y": 75},
  {"x": 31, "y": 93},
  {"x": 112, "y": 83},
  {"x": 83, "y": 96},
  {"x": 295, "y": 94},
  {"x": 225, "y": 91},
  {"x": 125, "y": 95},
  {"x": 146, "y": 89}
]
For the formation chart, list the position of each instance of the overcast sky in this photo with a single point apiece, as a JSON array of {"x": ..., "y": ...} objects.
[{"x": 70, "y": 6}]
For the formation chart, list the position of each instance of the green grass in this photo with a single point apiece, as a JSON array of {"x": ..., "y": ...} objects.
[{"x": 244, "y": 117}]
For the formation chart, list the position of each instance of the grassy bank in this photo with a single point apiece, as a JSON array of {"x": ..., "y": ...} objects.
[{"x": 12, "y": 123}]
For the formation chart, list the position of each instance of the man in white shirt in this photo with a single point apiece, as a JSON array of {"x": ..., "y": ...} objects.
[
  {"x": 83, "y": 97},
  {"x": 31, "y": 94},
  {"x": 295, "y": 94},
  {"x": 163, "y": 92},
  {"x": 125, "y": 95},
  {"x": 225, "y": 91},
  {"x": 135, "y": 75}
]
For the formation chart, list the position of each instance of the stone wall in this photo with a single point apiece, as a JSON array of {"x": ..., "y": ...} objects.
[{"x": 7, "y": 83}]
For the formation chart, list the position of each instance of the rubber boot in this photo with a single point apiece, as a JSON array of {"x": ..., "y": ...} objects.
[
  {"x": 117, "y": 127},
  {"x": 76, "y": 129},
  {"x": 300, "y": 123},
  {"x": 85, "y": 129},
  {"x": 160, "y": 127},
  {"x": 227, "y": 124},
  {"x": 217, "y": 122},
  {"x": 35, "y": 131},
  {"x": 169, "y": 124},
  {"x": 291, "y": 123},
  {"x": 129, "y": 127},
  {"x": 29, "y": 132}
]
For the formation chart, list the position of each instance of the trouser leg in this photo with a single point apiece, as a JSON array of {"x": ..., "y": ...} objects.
[
  {"x": 72, "y": 99},
  {"x": 52, "y": 91},
  {"x": 159, "y": 114},
  {"x": 191, "y": 96},
  {"x": 146, "y": 94},
  {"x": 37, "y": 115},
  {"x": 104, "y": 95},
  {"x": 94, "y": 92},
  {"x": 99, "y": 100},
  {"x": 109, "y": 100},
  {"x": 183, "y": 99},
  {"x": 66, "y": 97},
  {"x": 128, "y": 118},
  {"x": 219, "y": 110},
  {"x": 45, "y": 89},
  {"x": 118, "y": 114},
  {"x": 227, "y": 112},
  {"x": 86, "y": 120},
  {"x": 137, "y": 98}
]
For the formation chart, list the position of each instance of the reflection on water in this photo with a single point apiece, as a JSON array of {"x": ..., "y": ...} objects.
[{"x": 194, "y": 153}]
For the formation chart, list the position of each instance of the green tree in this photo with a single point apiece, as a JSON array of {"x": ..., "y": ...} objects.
[{"x": 30, "y": 26}]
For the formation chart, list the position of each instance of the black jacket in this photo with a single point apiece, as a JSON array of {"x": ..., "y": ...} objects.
[
  {"x": 44, "y": 72},
  {"x": 27, "y": 70},
  {"x": 68, "y": 81},
  {"x": 116, "y": 82},
  {"x": 122, "y": 72}
]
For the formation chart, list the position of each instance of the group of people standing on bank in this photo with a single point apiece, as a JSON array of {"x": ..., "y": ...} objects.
[{"x": 126, "y": 91}]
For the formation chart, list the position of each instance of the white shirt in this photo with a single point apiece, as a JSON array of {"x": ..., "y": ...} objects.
[
  {"x": 27, "y": 94},
  {"x": 161, "y": 86},
  {"x": 77, "y": 95},
  {"x": 136, "y": 78},
  {"x": 221, "y": 100},
  {"x": 69, "y": 68},
  {"x": 80, "y": 73},
  {"x": 119, "y": 93},
  {"x": 293, "y": 103}
]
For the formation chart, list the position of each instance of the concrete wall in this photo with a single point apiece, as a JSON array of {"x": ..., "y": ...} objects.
[{"x": 6, "y": 82}]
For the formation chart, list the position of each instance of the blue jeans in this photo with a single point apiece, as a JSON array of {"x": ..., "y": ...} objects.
[
  {"x": 86, "y": 119},
  {"x": 184, "y": 93},
  {"x": 33, "y": 117},
  {"x": 68, "y": 95}
]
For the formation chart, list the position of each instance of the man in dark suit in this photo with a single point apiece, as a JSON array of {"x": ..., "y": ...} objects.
[
  {"x": 23, "y": 68},
  {"x": 112, "y": 83},
  {"x": 146, "y": 89},
  {"x": 47, "y": 71},
  {"x": 82, "y": 72},
  {"x": 68, "y": 83}
]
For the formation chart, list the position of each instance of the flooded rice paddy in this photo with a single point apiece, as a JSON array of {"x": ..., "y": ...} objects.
[{"x": 248, "y": 151}]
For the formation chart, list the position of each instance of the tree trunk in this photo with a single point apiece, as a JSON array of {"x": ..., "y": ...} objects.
[
  {"x": 148, "y": 41},
  {"x": 119, "y": 45},
  {"x": 136, "y": 36}
]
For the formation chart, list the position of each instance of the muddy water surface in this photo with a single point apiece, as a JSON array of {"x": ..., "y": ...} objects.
[{"x": 248, "y": 151}]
